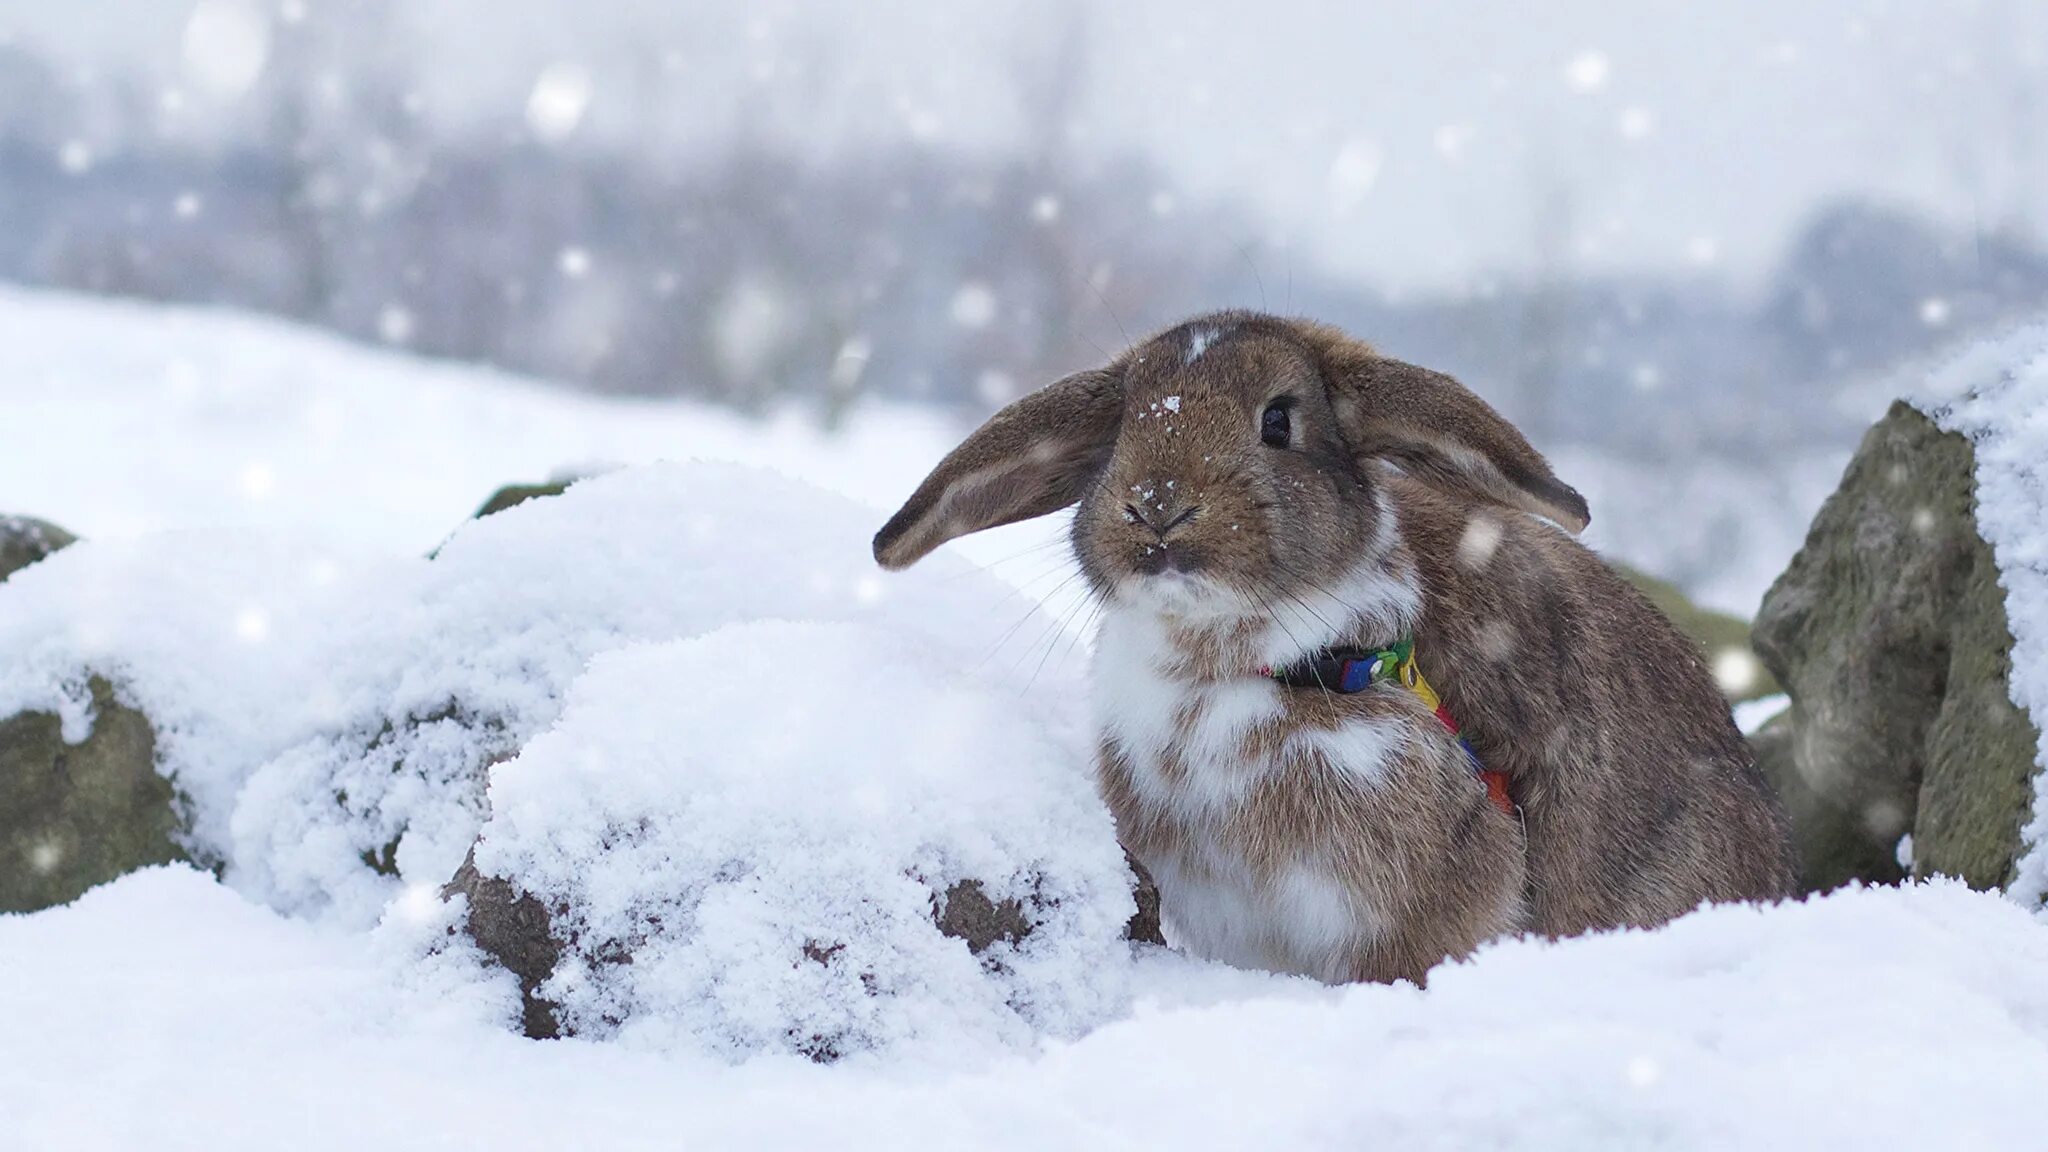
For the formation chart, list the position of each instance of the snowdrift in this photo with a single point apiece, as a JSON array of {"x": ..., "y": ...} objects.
[
  {"x": 165, "y": 1012},
  {"x": 753, "y": 839},
  {"x": 329, "y": 719},
  {"x": 126, "y": 418},
  {"x": 776, "y": 772}
]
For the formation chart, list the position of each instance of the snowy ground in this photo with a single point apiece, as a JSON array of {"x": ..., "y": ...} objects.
[
  {"x": 126, "y": 418},
  {"x": 724, "y": 745},
  {"x": 166, "y": 1012}
]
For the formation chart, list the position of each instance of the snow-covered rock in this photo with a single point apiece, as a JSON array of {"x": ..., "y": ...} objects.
[
  {"x": 1911, "y": 633},
  {"x": 1996, "y": 395},
  {"x": 1888, "y": 632},
  {"x": 328, "y": 718},
  {"x": 76, "y": 808},
  {"x": 793, "y": 805},
  {"x": 819, "y": 839},
  {"x": 75, "y": 813},
  {"x": 25, "y": 540}
]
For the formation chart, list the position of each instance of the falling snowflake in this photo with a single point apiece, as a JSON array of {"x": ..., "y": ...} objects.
[
  {"x": 395, "y": 324},
  {"x": 560, "y": 97},
  {"x": 1353, "y": 173},
  {"x": 252, "y": 625},
  {"x": 1736, "y": 670},
  {"x": 258, "y": 479},
  {"x": 1587, "y": 71},
  {"x": 974, "y": 305},
  {"x": 75, "y": 156},
  {"x": 45, "y": 857},
  {"x": 226, "y": 44}
]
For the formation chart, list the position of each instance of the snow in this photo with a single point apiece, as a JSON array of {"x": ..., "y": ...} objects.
[
  {"x": 1996, "y": 393},
  {"x": 363, "y": 705},
  {"x": 560, "y": 96},
  {"x": 1752, "y": 715},
  {"x": 765, "y": 818},
  {"x": 150, "y": 419},
  {"x": 146, "y": 419},
  {"x": 225, "y": 46},
  {"x": 1741, "y": 523},
  {"x": 1907, "y": 1019}
]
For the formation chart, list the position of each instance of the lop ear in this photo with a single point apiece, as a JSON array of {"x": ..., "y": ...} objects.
[
  {"x": 1036, "y": 456},
  {"x": 1438, "y": 430}
]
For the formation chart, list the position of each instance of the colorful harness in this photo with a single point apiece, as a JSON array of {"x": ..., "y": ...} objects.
[{"x": 1352, "y": 670}]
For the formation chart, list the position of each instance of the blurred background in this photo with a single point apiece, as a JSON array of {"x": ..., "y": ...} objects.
[{"x": 1687, "y": 246}]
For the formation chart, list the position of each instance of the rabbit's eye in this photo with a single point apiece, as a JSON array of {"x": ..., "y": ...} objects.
[{"x": 1275, "y": 425}]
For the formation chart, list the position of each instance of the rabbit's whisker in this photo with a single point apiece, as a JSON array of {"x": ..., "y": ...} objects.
[
  {"x": 1065, "y": 620},
  {"x": 1036, "y": 608}
]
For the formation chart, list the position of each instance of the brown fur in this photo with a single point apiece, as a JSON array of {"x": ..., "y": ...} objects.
[
  {"x": 1433, "y": 869},
  {"x": 1639, "y": 797}
]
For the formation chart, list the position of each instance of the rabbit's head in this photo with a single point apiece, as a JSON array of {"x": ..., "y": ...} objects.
[{"x": 1233, "y": 459}]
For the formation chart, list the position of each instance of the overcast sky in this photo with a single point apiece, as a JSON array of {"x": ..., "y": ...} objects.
[{"x": 1418, "y": 144}]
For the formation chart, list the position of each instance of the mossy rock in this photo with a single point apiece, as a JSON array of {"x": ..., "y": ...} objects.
[
  {"x": 1890, "y": 635},
  {"x": 1717, "y": 633},
  {"x": 76, "y": 815},
  {"x": 513, "y": 495},
  {"x": 25, "y": 540}
]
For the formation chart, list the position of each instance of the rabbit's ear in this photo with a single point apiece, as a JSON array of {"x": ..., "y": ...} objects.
[
  {"x": 1437, "y": 430},
  {"x": 1036, "y": 456}
]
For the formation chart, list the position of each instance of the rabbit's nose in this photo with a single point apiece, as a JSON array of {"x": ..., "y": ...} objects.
[{"x": 1161, "y": 520}]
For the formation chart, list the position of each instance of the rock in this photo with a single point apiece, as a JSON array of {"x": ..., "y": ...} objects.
[
  {"x": 23, "y": 541},
  {"x": 1723, "y": 638},
  {"x": 1889, "y": 633},
  {"x": 515, "y": 929},
  {"x": 76, "y": 815},
  {"x": 965, "y": 912},
  {"x": 1144, "y": 927},
  {"x": 512, "y": 928},
  {"x": 513, "y": 495}
]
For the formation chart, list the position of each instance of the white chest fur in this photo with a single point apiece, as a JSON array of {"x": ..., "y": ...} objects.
[
  {"x": 1152, "y": 715},
  {"x": 1182, "y": 741}
]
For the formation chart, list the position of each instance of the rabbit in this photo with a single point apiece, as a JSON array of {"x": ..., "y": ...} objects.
[{"x": 1258, "y": 497}]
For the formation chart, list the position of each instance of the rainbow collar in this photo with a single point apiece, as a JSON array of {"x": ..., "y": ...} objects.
[{"x": 1353, "y": 670}]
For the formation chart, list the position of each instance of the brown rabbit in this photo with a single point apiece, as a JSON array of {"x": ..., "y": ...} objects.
[{"x": 1295, "y": 539}]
